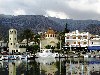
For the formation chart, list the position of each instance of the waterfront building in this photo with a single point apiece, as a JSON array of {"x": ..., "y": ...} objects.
[
  {"x": 49, "y": 38},
  {"x": 77, "y": 39},
  {"x": 94, "y": 41},
  {"x": 13, "y": 41},
  {"x": 13, "y": 45},
  {"x": 3, "y": 44}
]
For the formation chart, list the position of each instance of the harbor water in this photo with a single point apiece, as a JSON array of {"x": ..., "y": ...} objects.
[{"x": 51, "y": 66}]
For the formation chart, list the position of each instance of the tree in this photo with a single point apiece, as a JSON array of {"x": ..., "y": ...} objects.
[
  {"x": 62, "y": 35},
  {"x": 48, "y": 47},
  {"x": 66, "y": 29},
  {"x": 37, "y": 38},
  {"x": 36, "y": 47},
  {"x": 27, "y": 34},
  {"x": 58, "y": 45}
]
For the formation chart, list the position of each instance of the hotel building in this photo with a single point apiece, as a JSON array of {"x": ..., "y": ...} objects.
[{"x": 77, "y": 39}]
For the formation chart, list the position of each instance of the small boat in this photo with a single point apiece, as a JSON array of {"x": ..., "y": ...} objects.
[
  {"x": 5, "y": 57},
  {"x": 45, "y": 53},
  {"x": 86, "y": 56},
  {"x": 29, "y": 57},
  {"x": 12, "y": 57},
  {"x": 97, "y": 56}
]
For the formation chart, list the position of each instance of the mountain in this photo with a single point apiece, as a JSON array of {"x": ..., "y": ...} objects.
[
  {"x": 41, "y": 23},
  {"x": 80, "y": 25},
  {"x": 34, "y": 22}
]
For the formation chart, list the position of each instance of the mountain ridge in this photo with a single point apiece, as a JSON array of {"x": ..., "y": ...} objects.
[{"x": 41, "y": 23}]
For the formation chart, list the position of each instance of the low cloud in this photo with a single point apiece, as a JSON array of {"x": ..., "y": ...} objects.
[{"x": 73, "y": 9}]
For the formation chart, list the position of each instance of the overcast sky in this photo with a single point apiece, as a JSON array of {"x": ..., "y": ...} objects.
[{"x": 70, "y": 9}]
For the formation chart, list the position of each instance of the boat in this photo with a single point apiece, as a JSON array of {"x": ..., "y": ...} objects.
[
  {"x": 86, "y": 56},
  {"x": 5, "y": 57},
  {"x": 45, "y": 53},
  {"x": 12, "y": 57}
]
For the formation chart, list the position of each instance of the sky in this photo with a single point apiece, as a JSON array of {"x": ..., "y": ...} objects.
[{"x": 64, "y": 9}]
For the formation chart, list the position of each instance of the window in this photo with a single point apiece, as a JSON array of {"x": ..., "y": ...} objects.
[
  {"x": 85, "y": 42},
  {"x": 10, "y": 38},
  {"x": 67, "y": 43},
  {"x": 14, "y": 43},
  {"x": 92, "y": 42},
  {"x": 79, "y": 37},
  {"x": 11, "y": 43},
  {"x": 79, "y": 43},
  {"x": 67, "y": 37},
  {"x": 74, "y": 37},
  {"x": 15, "y": 38},
  {"x": 10, "y": 32},
  {"x": 74, "y": 42},
  {"x": 85, "y": 37},
  {"x": 16, "y": 50},
  {"x": 45, "y": 35},
  {"x": 51, "y": 35}
]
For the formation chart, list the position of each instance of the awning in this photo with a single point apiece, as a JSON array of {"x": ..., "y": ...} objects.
[{"x": 94, "y": 48}]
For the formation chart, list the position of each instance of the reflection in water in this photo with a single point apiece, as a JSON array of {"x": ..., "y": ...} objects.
[
  {"x": 72, "y": 66},
  {"x": 12, "y": 68},
  {"x": 47, "y": 66}
]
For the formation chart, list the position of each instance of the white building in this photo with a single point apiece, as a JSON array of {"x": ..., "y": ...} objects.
[
  {"x": 77, "y": 39},
  {"x": 94, "y": 41},
  {"x": 13, "y": 43},
  {"x": 3, "y": 44}
]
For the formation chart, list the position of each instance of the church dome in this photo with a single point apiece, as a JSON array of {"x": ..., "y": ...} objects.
[{"x": 50, "y": 31}]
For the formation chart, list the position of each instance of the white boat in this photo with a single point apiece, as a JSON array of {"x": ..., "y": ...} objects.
[
  {"x": 86, "y": 56},
  {"x": 45, "y": 53}
]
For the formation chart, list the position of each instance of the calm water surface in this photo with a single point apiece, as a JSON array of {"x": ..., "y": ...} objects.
[{"x": 50, "y": 66}]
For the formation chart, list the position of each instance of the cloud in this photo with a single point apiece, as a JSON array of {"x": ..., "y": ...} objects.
[
  {"x": 19, "y": 12},
  {"x": 74, "y": 9},
  {"x": 57, "y": 14},
  {"x": 84, "y": 5}
]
